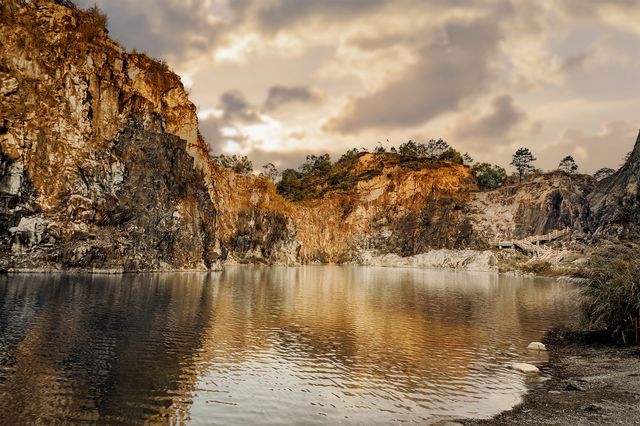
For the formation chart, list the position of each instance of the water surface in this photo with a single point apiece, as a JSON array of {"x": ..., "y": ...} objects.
[{"x": 259, "y": 345}]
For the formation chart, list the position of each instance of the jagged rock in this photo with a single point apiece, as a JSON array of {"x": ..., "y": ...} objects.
[
  {"x": 615, "y": 202},
  {"x": 102, "y": 167},
  {"x": 8, "y": 86}
]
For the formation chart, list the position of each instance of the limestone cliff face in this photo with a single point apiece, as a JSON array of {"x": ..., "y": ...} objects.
[
  {"x": 102, "y": 167},
  {"x": 101, "y": 163},
  {"x": 400, "y": 210},
  {"x": 615, "y": 202},
  {"x": 538, "y": 206}
]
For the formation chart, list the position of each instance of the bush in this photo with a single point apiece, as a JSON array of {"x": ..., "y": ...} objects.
[
  {"x": 236, "y": 163},
  {"x": 489, "y": 176},
  {"x": 611, "y": 296}
]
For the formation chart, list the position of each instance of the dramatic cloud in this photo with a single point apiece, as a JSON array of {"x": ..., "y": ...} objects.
[
  {"x": 448, "y": 70},
  {"x": 285, "y": 13},
  {"x": 496, "y": 127},
  {"x": 236, "y": 108},
  {"x": 606, "y": 148},
  {"x": 489, "y": 75},
  {"x": 281, "y": 95}
]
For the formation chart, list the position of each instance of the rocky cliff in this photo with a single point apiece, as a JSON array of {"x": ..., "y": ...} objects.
[
  {"x": 102, "y": 167},
  {"x": 615, "y": 202},
  {"x": 100, "y": 157}
]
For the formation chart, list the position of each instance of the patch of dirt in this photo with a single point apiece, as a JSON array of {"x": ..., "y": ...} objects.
[{"x": 589, "y": 384}]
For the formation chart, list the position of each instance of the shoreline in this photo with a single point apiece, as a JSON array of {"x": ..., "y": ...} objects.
[{"x": 585, "y": 382}]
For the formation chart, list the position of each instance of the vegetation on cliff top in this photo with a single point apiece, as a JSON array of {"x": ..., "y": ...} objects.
[{"x": 318, "y": 175}]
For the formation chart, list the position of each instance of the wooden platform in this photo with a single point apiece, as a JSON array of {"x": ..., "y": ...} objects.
[{"x": 532, "y": 245}]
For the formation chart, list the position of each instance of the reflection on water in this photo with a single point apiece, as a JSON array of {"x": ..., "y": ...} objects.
[{"x": 268, "y": 345}]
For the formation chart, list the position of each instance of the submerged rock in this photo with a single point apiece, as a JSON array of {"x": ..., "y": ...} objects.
[{"x": 525, "y": 368}]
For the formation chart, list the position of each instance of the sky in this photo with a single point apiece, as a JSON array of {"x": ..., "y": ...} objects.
[{"x": 279, "y": 79}]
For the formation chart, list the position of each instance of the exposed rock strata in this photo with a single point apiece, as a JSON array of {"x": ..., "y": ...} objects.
[{"x": 102, "y": 167}]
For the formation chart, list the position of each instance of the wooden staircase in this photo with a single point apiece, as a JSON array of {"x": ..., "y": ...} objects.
[{"x": 532, "y": 245}]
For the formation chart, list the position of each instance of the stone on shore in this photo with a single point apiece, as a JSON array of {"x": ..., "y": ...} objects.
[
  {"x": 525, "y": 368},
  {"x": 537, "y": 346}
]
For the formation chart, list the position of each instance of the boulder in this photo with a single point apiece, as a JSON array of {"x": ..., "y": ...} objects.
[
  {"x": 525, "y": 368},
  {"x": 537, "y": 346}
]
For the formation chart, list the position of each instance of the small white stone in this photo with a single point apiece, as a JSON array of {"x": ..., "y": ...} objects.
[
  {"x": 525, "y": 368},
  {"x": 537, "y": 346}
]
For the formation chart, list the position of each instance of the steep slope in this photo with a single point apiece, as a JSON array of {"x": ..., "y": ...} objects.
[
  {"x": 95, "y": 170},
  {"x": 615, "y": 202},
  {"x": 538, "y": 206},
  {"x": 102, "y": 167}
]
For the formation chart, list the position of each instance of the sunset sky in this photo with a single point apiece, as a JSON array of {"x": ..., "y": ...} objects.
[{"x": 276, "y": 80}]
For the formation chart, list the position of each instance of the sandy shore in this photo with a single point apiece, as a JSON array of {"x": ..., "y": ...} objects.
[{"x": 589, "y": 384}]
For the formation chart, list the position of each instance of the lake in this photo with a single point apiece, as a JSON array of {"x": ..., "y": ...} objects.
[{"x": 270, "y": 345}]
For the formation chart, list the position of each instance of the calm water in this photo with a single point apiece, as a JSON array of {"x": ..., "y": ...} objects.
[{"x": 252, "y": 345}]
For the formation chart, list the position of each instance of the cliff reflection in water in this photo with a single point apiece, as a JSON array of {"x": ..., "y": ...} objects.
[{"x": 268, "y": 345}]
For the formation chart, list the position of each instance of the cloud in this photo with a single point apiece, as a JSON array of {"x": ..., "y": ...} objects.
[
  {"x": 593, "y": 151},
  {"x": 237, "y": 109},
  {"x": 495, "y": 127},
  {"x": 281, "y": 95},
  {"x": 448, "y": 70},
  {"x": 283, "y": 14}
]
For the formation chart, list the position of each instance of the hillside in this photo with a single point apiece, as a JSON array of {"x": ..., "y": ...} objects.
[{"x": 102, "y": 167}]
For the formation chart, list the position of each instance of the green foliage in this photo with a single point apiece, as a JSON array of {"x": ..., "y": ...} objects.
[
  {"x": 489, "y": 176},
  {"x": 522, "y": 160},
  {"x": 568, "y": 165},
  {"x": 452, "y": 155},
  {"x": 317, "y": 175},
  {"x": 316, "y": 165},
  {"x": 603, "y": 173},
  {"x": 236, "y": 163},
  {"x": 409, "y": 149},
  {"x": 611, "y": 296},
  {"x": 435, "y": 149}
]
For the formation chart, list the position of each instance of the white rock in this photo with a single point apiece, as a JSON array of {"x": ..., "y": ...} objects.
[
  {"x": 525, "y": 368},
  {"x": 537, "y": 346}
]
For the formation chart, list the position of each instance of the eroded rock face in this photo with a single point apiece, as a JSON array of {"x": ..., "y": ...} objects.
[
  {"x": 552, "y": 201},
  {"x": 615, "y": 202},
  {"x": 102, "y": 167},
  {"x": 98, "y": 150}
]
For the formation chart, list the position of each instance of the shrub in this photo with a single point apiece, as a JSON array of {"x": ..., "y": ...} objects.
[
  {"x": 234, "y": 162},
  {"x": 489, "y": 176},
  {"x": 611, "y": 296}
]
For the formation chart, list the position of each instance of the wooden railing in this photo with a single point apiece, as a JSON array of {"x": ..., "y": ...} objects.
[{"x": 531, "y": 245}]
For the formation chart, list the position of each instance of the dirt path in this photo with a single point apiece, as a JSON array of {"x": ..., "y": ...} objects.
[{"x": 588, "y": 385}]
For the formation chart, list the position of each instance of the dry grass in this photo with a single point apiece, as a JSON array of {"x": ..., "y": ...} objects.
[
  {"x": 611, "y": 296},
  {"x": 93, "y": 24}
]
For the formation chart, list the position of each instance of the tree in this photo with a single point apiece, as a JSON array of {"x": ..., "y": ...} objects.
[
  {"x": 317, "y": 164},
  {"x": 568, "y": 165},
  {"x": 435, "y": 148},
  {"x": 452, "y": 155},
  {"x": 489, "y": 176},
  {"x": 270, "y": 171},
  {"x": 466, "y": 159},
  {"x": 522, "y": 160},
  {"x": 349, "y": 155},
  {"x": 238, "y": 164},
  {"x": 408, "y": 149},
  {"x": 380, "y": 149},
  {"x": 603, "y": 173}
]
